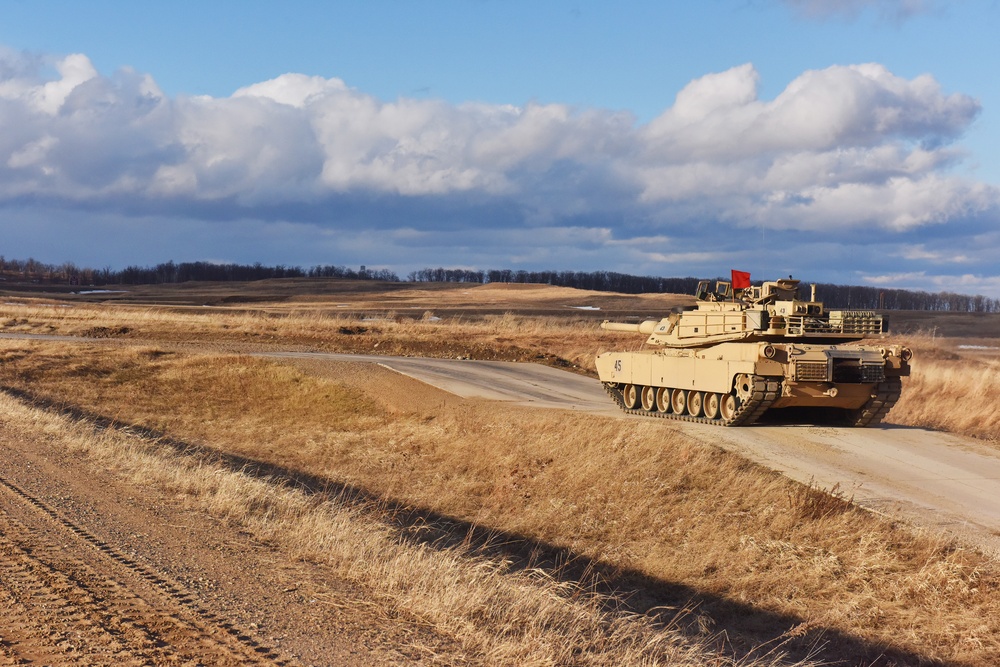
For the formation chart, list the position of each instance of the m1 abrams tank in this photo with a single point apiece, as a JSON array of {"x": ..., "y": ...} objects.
[{"x": 740, "y": 353}]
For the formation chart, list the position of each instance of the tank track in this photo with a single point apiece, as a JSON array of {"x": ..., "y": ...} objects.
[
  {"x": 874, "y": 411},
  {"x": 765, "y": 391}
]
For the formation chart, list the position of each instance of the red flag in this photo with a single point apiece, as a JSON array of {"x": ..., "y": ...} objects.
[{"x": 741, "y": 279}]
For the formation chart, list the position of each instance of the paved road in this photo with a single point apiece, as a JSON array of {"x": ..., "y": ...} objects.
[
  {"x": 932, "y": 479},
  {"x": 524, "y": 384}
]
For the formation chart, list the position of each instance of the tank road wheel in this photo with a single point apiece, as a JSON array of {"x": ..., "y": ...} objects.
[
  {"x": 727, "y": 407},
  {"x": 630, "y": 395},
  {"x": 648, "y": 395},
  {"x": 694, "y": 403},
  {"x": 678, "y": 401},
  {"x": 710, "y": 404},
  {"x": 662, "y": 399}
]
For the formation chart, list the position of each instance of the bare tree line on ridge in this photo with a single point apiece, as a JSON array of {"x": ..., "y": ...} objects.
[{"x": 834, "y": 296}]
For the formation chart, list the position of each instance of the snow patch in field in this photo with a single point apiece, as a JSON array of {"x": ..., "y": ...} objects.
[{"x": 584, "y": 307}]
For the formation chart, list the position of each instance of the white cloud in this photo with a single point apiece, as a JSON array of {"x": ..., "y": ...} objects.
[
  {"x": 252, "y": 150},
  {"x": 847, "y": 146},
  {"x": 920, "y": 252},
  {"x": 854, "y": 142},
  {"x": 843, "y": 148},
  {"x": 48, "y": 97},
  {"x": 897, "y": 204},
  {"x": 966, "y": 283},
  {"x": 719, "y": 116},
  {"x": 293, "y": 89},
  {"x": 32, "y": 153}
]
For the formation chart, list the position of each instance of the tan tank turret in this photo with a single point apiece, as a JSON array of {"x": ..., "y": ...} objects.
[{"x": 739, "y": 353}]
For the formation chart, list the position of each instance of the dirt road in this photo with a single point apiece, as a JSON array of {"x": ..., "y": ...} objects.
[
  {"x": 95, "y": 570},
  {"x": 930, "y": 479}
]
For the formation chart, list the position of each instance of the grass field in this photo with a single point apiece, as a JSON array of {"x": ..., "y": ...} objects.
[{"x": 764, "y": 566}]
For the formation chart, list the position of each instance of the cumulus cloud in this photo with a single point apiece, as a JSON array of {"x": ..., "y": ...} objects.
[
  {"x": 966, "y": 283},
  {"x": 720, "y": 115},
  {"x": 846, "y": 146},
  {"x": 854, "y": 140}
]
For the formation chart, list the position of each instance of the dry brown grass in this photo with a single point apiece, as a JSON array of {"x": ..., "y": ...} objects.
[
  {"x": 565, "y": 341},
  {"x": 636, "y": 496},
  {"x": 952, "y": 388},
  {"x": 501, "y": 616}
]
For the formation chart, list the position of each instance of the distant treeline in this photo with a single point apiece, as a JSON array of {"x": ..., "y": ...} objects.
[
  {"x": 170, "y": 272},
  {"x": 833, "y": 296},
  {"x": 877, "y": 298},
  {"x": 601, "y": 281}
]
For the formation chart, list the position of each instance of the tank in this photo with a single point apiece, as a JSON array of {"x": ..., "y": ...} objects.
[{"x": 740, "y": 353}]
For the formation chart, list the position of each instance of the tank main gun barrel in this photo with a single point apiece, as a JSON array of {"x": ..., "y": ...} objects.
[{"x": 646, "y": 327}]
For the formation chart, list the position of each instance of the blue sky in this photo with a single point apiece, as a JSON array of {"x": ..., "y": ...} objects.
[{"x": 851, "y": 141}]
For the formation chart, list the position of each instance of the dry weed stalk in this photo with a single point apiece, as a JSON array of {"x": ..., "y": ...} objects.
[{"x": 493, "y": 336}]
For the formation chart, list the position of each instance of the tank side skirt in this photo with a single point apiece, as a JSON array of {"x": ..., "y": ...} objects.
[{"x": 653, "y": 368}]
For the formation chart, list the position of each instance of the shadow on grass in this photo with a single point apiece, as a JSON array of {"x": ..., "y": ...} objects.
[{"x": 742, "y": 630}]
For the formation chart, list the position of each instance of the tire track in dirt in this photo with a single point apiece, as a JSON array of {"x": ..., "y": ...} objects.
[
  {"x": 53, "y": 616},
  {"x": 113, "y": 610}
]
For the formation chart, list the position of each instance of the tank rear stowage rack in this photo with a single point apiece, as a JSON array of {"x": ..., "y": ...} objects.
[{"x": 740, "y": 353}]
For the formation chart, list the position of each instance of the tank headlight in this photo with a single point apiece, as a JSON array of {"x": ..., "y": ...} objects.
[
  {"x": 769, "y": 351},
  {"x": 906, "y": 354}
]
